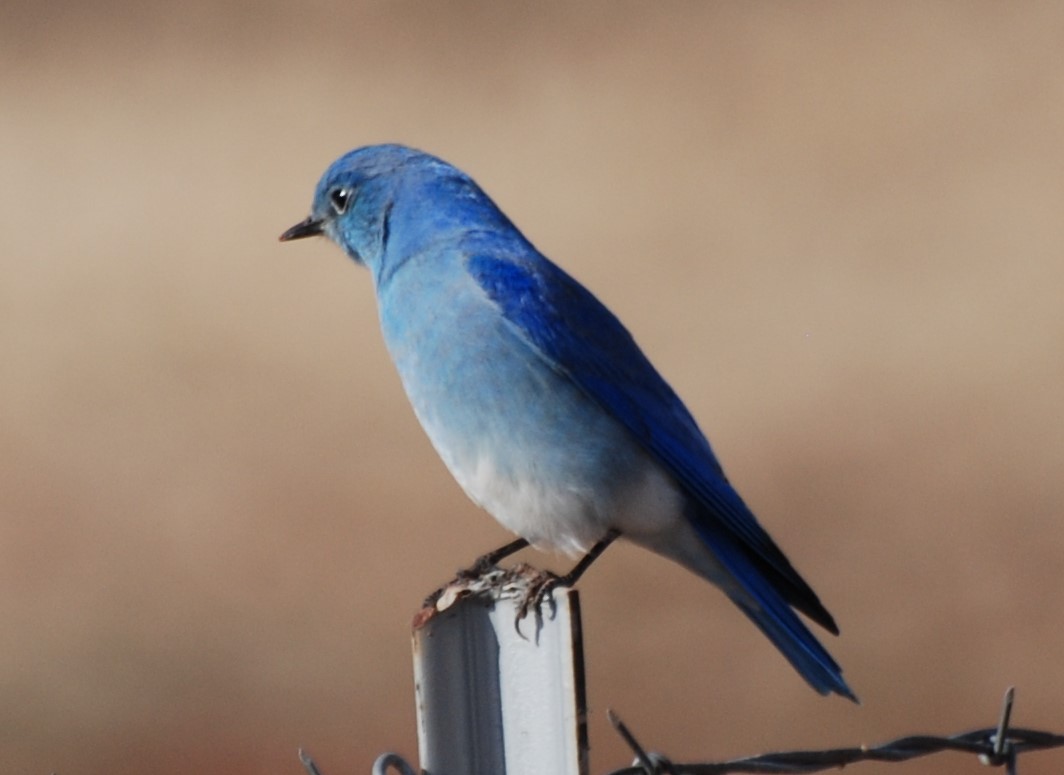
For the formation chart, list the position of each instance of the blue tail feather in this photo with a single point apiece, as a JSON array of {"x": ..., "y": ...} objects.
[
  {"x": 768, "y": 609},
  {"x": 798, "y": 645}
]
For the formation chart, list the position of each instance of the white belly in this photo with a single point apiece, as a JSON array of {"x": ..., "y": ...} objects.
[{"x": 571, "y": 517}]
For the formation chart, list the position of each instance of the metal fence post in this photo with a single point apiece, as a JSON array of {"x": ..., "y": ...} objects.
[{"x": 495, "y": 701}]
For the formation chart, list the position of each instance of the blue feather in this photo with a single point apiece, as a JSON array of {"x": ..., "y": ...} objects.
[{"x": 578, "y": 336}]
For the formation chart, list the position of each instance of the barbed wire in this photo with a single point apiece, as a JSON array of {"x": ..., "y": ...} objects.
[
  {"x": 902, "y": 749},
  {"x": 998, "y": 746}
]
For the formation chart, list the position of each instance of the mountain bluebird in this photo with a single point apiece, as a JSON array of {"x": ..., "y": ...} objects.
[{"x": 539, "y": 401}]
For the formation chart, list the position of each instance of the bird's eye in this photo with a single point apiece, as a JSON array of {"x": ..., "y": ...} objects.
[{"x": 340, "y": 198}]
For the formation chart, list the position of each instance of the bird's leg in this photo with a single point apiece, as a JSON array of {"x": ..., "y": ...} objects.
[
  {"x": 593, "y": 553},
  {"x": 541, "y": 588},
  {"x": 486, "y": 562},
  {"x": 480, "y": 567}
]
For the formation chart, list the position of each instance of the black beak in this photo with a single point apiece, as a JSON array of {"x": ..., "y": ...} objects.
[{"x": 305, "y": 228}]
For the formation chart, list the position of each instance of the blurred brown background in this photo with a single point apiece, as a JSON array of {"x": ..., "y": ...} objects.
[{"x": 836, "y": 228}]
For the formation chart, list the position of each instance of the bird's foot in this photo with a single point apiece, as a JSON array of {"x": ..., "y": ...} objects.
[
  {"x": 485, "y": 569},
  {"x": 541, "y": 584},
  {"x": 483, "y": 566},
  {"x": 530, "y": 587},
  {"x": 464, "y": 582},
  {"x": 492, "y": 582},
  {"x": 540, "y": 590}
]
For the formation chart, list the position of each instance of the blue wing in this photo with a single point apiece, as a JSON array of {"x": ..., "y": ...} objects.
[{"x": 580, "y": 338}]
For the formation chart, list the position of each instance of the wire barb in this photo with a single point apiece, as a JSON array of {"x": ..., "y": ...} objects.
[
  {"x": 308, "y": 763},
  {"x": 1003, "y": 752},
  {"x": 652, "y": 764}
]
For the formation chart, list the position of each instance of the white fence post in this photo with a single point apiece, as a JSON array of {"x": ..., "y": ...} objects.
[{"x": 493, "y": 701}]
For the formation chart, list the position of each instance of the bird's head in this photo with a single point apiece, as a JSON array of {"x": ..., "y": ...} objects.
[
  {"x": 353, "y": 197},
  {"x": 381, "y": 203}
]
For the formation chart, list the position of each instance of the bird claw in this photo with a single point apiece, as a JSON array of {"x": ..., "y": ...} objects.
[
  {"x": 479, "y": 569},
  {"x": 532, "y": 588},
  {"x": 540, "y": 590},
  {"x": 464, "y": 578},
  {"x": 463, "y": 582}
]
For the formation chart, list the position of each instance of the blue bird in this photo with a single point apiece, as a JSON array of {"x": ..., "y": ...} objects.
[{"x": 540, "y": 402}]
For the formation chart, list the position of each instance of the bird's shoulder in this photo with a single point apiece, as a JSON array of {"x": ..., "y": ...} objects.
[
  {"x": 557, "y": 313},
  {"x": 579, "y": 336}
]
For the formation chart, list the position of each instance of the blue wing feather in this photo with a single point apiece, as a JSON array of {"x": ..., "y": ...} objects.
[{"x": 578, "y": 336}]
